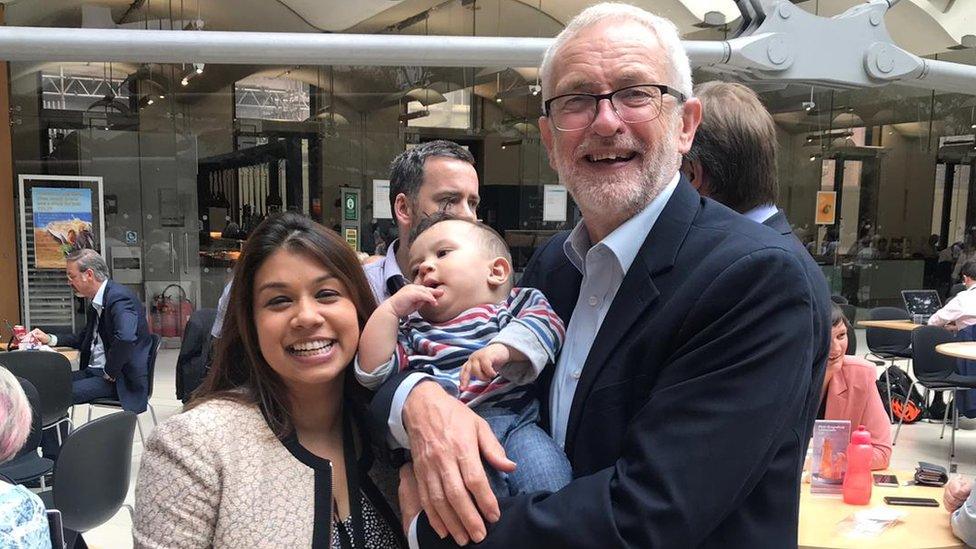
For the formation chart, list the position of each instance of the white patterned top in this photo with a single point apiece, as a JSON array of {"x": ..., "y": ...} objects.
[{"x": 217, "y": 476}]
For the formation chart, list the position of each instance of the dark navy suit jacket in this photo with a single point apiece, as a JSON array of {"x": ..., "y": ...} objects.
[
  {"x": 821, "y": 319},
  {"x": 689, "y": 423},
  {"x": 125, "y": 337}
]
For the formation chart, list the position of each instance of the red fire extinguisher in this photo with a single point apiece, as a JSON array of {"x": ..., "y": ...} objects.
[{"x": 169, "y": 316}]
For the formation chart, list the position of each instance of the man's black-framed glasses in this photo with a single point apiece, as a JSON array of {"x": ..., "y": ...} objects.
[{"x": 640, "y": 103}]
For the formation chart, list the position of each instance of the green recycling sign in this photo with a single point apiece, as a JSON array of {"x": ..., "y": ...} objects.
[{"x": 350, "y": 206}]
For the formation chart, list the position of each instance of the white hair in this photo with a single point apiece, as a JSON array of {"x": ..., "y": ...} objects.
[
  {"x": 664, "y": 29},
  {"x": 15, "y": 415}
]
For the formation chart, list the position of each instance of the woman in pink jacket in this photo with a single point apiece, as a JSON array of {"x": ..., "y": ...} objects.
[{"x": 850, "y": 392}]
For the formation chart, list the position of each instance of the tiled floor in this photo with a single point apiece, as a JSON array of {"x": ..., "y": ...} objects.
[{"x": 916, "y": 442}]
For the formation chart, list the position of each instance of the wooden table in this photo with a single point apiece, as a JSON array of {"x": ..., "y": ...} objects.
[
  {"x": 73, "y": 355},
  {"x": 958, "y": 349},
  {"x": 920, "y": 528},
  {"x": 903, "y": 325}
]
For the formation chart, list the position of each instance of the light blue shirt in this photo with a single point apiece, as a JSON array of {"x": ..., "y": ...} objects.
[
  {"x": 603, "y": 267},
  {"x": 760, "y": 214},
  {"x": 97, "y": 360},
  {"x": 23, "y": 522},
  {"x": 963, "y": 520},
  {"x": 218, "y": 325},
  {"x": 378, "y": 272}
]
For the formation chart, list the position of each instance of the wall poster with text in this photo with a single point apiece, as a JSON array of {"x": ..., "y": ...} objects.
[
  {"x": 62, "y": 224},
  {"x": 58, "y": 215}
]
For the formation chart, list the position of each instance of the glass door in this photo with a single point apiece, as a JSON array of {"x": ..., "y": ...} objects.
[{"x": 152, "y": 230}]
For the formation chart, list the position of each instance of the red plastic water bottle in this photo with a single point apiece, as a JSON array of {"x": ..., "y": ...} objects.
[{"x": 857, "y": 481}]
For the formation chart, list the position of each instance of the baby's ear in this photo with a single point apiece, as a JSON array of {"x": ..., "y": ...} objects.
[{"x": 500, "y": 271}]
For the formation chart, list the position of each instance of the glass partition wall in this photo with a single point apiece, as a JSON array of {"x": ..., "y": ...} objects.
[
  {"x": 894, "y": 166},
  {"x": 193, "y": 156}
]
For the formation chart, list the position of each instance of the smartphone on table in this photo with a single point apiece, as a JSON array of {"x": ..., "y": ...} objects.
[
  {"x": 890, "y": 481},
  {"x": 914, "y": 502}
]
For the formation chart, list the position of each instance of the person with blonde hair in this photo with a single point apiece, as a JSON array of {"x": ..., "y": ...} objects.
[{"x": 23, "y": 522}]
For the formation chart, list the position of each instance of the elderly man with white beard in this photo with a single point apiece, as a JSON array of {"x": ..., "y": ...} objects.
[{"x": 680, "y": 395}]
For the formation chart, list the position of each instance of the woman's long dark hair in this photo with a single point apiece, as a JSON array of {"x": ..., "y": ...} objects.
[{"x": 239, "y": 371}]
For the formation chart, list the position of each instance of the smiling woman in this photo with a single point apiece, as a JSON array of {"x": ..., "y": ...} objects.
[{"x": 267, "y": 453}]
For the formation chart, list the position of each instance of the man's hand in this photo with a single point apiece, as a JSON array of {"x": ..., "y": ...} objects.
[
  {"x": 410, "y": 298},
  {"x": 109, "y": 378},
  {"x": 484, "y": 363},
  {"x": 447, "y": 443},
  {"x": 956, "y": 492},
  {"x": 39, "y": 335},
  {"x": 409, "y": 497}
]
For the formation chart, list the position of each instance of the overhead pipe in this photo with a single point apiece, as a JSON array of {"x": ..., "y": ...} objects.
[
  {"x": 765, "y": 56},
  {"x": 266, "y": 48}
]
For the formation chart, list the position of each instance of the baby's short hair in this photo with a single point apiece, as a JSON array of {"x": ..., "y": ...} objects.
[{"x": 489, "y": 238}]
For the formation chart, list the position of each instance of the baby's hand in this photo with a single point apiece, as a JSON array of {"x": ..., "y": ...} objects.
[
  {"x": 484, "y": 363},
  {"x": 410, "y": 298}
]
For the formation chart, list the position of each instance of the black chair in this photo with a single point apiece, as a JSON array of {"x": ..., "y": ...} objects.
[
  {"x": 937, "y": 372},
  {"x": 839, "y": 299},
  {"x": 50, "y": 373},
  {"x": 114, "y": 403},
  {"x": 850, "y": 312},
  {"x": 191, "y": 364},
  {"x": 27, "y": 465},
  {"x": 888, "y": 345},
  {"x": 956, "y": 288},
  {"x": 92, "y": 472}
]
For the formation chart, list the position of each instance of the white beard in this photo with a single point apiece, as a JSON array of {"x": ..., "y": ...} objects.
[{"x": 624, "y": 194}]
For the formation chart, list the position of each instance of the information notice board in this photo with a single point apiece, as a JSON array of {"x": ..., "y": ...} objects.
[{"x": 58, "y": 215}]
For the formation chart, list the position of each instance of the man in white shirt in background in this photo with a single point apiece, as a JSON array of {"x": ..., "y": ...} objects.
[
  {"x": 960, "y": 311},
  {"x": 431, "y": 177}
]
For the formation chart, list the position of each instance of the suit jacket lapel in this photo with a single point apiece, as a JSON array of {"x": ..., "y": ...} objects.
[
  {"x": 88, "y": 336},
  {"x": 561, "y": 287},
  {"x": 637, "y": 292},
  {"x": 838, "y": 399}
]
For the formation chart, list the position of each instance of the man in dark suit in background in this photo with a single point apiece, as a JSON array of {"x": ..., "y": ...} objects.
[
  {"x": 733, "y": 161},
  {"x": 680, "y": 397},
  {"x": 115, "y": 342}
]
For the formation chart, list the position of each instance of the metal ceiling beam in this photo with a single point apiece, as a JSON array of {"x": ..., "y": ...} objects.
[
  {"x": 265, "y": 48},
  {"x": 783, "y": 44},
  {"x": 850, "y": 50}
]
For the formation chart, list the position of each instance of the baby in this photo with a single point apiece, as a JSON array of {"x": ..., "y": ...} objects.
[{"x": 479, "y": 338}]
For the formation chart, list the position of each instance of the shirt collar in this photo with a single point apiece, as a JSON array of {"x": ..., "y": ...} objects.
[
  {"x": 100, "y": 296},
  {"x": 625, "y": 241},
  {"x": 760, "y": 214},
  {"x": 390, "y": 266}
]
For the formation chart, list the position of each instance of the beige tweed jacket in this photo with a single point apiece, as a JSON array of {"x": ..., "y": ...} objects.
[{"x": 217, "y": 476}]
